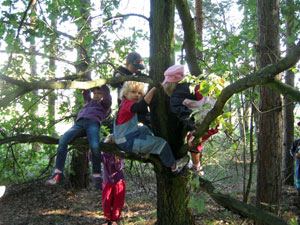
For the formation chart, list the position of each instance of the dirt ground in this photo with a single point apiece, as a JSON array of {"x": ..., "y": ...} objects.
[{"x": 36, "y": 204}]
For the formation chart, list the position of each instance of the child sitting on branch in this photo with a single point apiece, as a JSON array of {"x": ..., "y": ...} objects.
[{"x": 139, "y": 139}]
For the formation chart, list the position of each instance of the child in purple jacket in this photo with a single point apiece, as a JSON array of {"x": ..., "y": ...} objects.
[
  {"x": 88, "y": 124},
  {"x": 113, "y": 194}
]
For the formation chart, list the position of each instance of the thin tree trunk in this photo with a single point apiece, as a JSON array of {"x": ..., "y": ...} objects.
[
  {"x": 199, "y": 27},
  {"x": 79, "y": 163},
  {"x": 288, "y": 161},
  {"x": 251, "y": 164}
]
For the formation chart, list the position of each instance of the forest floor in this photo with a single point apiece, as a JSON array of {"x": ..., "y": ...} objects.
[{"x": 34, "y": 203}]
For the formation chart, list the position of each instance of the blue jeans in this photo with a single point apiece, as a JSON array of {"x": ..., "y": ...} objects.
[{"x": 83, "y": 127}]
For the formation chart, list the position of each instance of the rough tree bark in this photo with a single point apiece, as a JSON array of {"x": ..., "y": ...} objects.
[
  {"x": 270, "y": 118},
  {"x": 172, "y": 191}
]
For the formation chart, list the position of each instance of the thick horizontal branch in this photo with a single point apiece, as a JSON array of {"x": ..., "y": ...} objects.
[
  {"x": 239, "y": 207},
  {"x": 109, "y": 148},
  {"x": 25, "y": 87},
  {"x": 86, "y": 84}
]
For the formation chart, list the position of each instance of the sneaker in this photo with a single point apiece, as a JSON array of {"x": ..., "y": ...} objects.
[
  {"x": 198, "y": 170},
  {"x": 180, "y": 164},
  {"x": 56, "y": 178},
  {"x": 98, "y": 183}
]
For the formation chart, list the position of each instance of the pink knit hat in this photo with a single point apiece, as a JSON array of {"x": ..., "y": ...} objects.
[{"x": 174, "y": 73}]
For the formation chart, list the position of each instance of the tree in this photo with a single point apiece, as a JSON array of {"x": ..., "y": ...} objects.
[
  {"x": 288, "y": 161},
  {"x": 173, "y": 192},
  {"x": 270, "y": 118}
]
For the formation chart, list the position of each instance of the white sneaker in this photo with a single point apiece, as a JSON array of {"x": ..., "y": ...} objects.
[{"x": 180, "y": 164}]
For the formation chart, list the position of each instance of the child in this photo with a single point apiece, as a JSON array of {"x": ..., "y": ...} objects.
[
  {"x": 133, "y": 66},
  {"x": 88, "y": 124},
  {"x": 138, "y": 139},
  {"x": 113, "y": 194},
  {"x": 295, "y": 152},
  {"x": 183, "y": 102}
]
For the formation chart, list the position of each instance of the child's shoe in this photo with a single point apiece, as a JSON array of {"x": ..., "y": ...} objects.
[
  {"x": 198, "y": 170},
  {"x": 98, "y": 183},
  {"x": 56, "y": 178},
  {"x": 180, "y": 164}
]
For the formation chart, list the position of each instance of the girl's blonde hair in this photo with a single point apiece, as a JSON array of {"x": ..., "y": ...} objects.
[
  {"x": 131, "y": 85},
  {"x": 169, "y": 87}
]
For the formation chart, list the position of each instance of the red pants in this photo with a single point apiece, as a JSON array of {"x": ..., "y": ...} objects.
[
  {"x": 209, "y": 132},
  {"x": 113, "y": 196}
]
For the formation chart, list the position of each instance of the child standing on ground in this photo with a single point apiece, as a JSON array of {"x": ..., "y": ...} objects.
[
  {"x": 88, "y": 124},
  {"x": 113, "y": 194},
  {"x": 184, "y": 102},
  {"x": 295, "y": 152},
  {"x": 139, "y": 139}
]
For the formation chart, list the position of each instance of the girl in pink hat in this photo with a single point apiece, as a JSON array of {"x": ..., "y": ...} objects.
[{"x": 190, "y": 107}]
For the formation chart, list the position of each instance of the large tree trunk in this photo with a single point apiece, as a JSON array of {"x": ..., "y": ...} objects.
[
  {"x": 270, "y": 119},
  {"x": 172, "y": 191},
  {"x": 288, "y": 161},
  {"x": 79, "y": 175},
  {"x": 172, "y": 199}
]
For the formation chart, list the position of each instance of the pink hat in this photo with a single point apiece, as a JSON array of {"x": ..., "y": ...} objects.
[{"x": 174, "y": 73}]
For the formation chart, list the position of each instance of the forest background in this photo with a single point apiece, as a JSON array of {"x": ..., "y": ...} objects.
[{"x": 48, "y": 46}]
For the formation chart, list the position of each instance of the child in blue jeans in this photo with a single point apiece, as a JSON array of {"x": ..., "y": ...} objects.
[
  {"x": 88, "y": 124},
  {"x": 139, "y": 139}
]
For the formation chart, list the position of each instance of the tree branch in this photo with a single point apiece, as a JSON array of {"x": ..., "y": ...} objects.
[
  {"x": 124, "y": 16},
  {"x": 25, "y": 87},
  {"x": 239, "y": 207},
  {"x": 109, "y": 148},
  {"x": 265, "y": 76},
  {"x": 189, "y": 36}
]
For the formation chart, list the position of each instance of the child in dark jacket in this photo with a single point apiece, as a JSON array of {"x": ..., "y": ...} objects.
[
  {"x": 139, "y": 139},
  {"x": 184, "y": 102},
  {"x": 113, "y": 194},
  {"x": 133, "y": 67},
  {"x": 88, "y": 124}
]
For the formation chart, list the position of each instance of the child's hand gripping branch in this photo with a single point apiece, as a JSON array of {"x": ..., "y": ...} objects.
[{"x": 139, "y": 139}]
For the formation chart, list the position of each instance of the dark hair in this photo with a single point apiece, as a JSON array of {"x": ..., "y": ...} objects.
[
  {"x": 96, "y": 88},
  {"x": 135, "y": 59}
]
